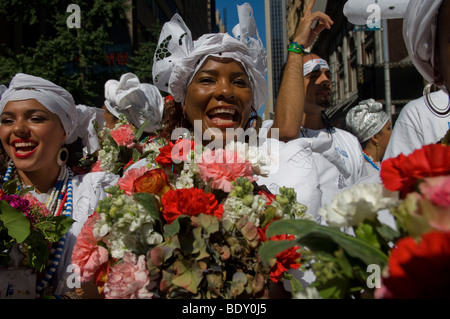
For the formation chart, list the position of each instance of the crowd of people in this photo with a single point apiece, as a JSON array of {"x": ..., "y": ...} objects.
[{"x": 214, "y": 86}]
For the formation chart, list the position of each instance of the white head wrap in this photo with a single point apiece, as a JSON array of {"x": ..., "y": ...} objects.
[
  {"x": 178, "y": 57},
  {"x": 360, "y": 12},
  {"x": 366, "y": 119},
  {"x": 57, "y": 100},
  {"x": 314, "y": 65},
  {"x": 419, "y": 33},
  {"x": 137, "y": 101}
]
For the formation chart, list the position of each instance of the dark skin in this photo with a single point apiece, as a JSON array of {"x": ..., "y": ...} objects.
[{"x": 442, "y": 53}]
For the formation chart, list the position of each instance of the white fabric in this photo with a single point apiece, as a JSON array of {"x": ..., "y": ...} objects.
[
  {"x": 329, "y": 162},
  {"x": 88, "y": 190},
  {"x": 345, "y": 143},
  {"x": 314, "y": 65},
  {"x": 417, "y": 126},
  {"x": 177, "y": 56},
  {"x": 366, "y": 119},
  {"x": 87, "y": 117},
  {"x": 57, "y": 100},
  {"x": 137, "y": 101},
  {"x": 419, "y": 33},
  {"x": 359, "y": 11}
]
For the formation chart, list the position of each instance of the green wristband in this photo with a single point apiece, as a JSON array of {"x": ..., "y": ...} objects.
[{"x": 296, "y": 48}]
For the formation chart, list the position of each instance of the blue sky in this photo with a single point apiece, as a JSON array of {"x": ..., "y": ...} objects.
[{"x": 232, "y": 17}]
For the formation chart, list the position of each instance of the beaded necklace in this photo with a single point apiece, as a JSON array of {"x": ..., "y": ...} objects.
[
  {"x": 59, "y": 202},
  {"x": 370, "y": 160}
]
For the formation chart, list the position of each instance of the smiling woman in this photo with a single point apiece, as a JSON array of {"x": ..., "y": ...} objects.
[
  {"x": 217, "y": 79},
  {"x": 38, "y": 118}
]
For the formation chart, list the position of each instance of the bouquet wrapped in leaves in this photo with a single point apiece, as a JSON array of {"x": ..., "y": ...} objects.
[
  {"x": 26, "y": 224},
  {"x": 361, "y": 254},
  {"x": 172, "y": 231}
]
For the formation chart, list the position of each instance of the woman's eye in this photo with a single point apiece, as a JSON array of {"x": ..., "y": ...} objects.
[
  {"x": 206, "y": 80},
  {"x": 6, "y": 121},
  {"x": 241, "y": 82},
  {"x": 37, "y": 119}
]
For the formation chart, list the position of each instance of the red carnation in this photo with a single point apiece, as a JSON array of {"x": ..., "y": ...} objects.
[
  {"x": 418, "y": 269},
  {"x": 191, "y": 202},
  {"x": 174, "y": 153},
  {"x": 287, "y": 259},
  {"x": 403, "y": 172}
]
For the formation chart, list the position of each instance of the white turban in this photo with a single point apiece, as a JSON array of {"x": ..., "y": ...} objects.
[
  {"x": 57, "y": 100},
  {"x": 137, "y": 101},
  {"x": 419, "y": 33},
  {"x": 360, "y": 12},
  {"x": 178, "y": 57},
  {"x": 366, "y": 119}
]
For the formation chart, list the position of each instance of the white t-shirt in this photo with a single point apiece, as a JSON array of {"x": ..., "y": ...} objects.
[
  {"x": 350, "y": 153},
  {"x": 417, "y": 126}
]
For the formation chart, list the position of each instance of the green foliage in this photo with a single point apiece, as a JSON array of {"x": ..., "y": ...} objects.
[
  {"x": 72, "y": 58},
  {"x": 338, "y": 260}
]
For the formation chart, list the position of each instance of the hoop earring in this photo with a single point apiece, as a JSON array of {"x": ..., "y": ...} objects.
[
  {"x": 431, "y": 106},
  {"x": 63, "y": 156}
]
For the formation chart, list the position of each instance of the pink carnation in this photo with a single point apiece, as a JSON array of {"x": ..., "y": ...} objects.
[
  {"x": 96, "y": 167},
  {"x": 221, "y": 167},
  {"x": 130, "y": 175},
  {"x": 437, "y": 190},
  {"x": 87, "y": 255},
  {"x": 124, "y": 135},
  {"x": 128, "y": 279}
]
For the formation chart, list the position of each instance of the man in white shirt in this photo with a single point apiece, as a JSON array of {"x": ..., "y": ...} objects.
[
  {"x": 417, "y": 126},
  {"x": 317, "y": 86}
]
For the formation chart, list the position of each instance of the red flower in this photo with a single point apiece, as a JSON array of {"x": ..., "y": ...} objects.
[
  {"x": 287, "y": 259},
  {"x": 403, "y": 172},
  {"x": 268, "y": 196},
  {"x": 191, "y": 202},
  {"x": 174, "y": 153},
  {"x": 418, "y": 269}
]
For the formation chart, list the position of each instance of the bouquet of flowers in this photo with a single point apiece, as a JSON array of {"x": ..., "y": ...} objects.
[
  {"x": 359, "y": 256},
  {"x": 27, "y": 224},
  {"x": 188, "y": 225},
  {"x": 121, "y": 147}
]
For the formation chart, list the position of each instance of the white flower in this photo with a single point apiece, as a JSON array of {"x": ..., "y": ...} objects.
[
  {"x": 108, "y": 158},
  {"x": 354, "y": 205}
]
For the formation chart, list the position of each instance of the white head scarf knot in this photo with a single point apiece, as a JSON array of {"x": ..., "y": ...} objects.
[
  {"x": 58, "y": 101},
  {"x": 419, "y": 33},
  {"x": 366, "y": 119},
  {"x": 178, "y": 57},
  {"x": 137, "y": 101}
]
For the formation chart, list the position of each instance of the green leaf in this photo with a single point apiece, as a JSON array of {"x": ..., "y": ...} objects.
[
  {"x": 141, "y": 129},
  {"x": 366, "y": 232},
  {"x": 54, "y": 227},
  {"x": 147, "y": 201},
  {"x": 15, "y": 221},
  {"x": 312, "y": 235}
]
